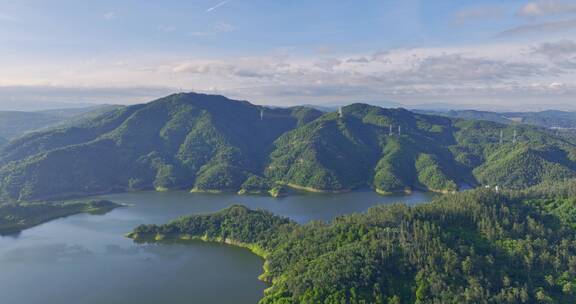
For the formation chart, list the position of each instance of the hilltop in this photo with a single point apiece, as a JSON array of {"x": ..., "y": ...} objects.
[{"x": 211, "y": 143}]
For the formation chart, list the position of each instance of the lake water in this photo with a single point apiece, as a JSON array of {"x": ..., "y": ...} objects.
[{"x": 85, "y": 259}]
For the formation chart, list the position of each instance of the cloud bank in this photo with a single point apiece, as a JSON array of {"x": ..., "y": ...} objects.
[{"x": 514, "y": 74}]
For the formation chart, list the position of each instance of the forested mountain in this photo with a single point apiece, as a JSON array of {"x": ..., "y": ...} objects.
[
  {"x": 547, "y": 119},
  {"x": 477, "y": 246},
  {"x": 211, "y": 143},
  {"x": 183, "y": 140}
]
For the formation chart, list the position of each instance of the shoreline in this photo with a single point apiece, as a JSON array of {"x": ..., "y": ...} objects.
[{"x": 298, "y": 190}]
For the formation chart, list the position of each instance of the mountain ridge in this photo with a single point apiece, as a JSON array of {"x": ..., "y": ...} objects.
[{"x": 210, "y": 143}]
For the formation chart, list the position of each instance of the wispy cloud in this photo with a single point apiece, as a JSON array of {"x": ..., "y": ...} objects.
[
  {"x": 540, "y": 28},
  {"x": 217, "y": 6},
  {"x": 110, "y": 15},
  {"x": 547, "y": 7}
]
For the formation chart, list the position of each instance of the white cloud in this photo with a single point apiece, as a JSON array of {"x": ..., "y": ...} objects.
[
  {"x": 547, "y": 7},
  {"x": 166, "y": 28},
  {"x": 216, "y": 29},
  {"x": 110, "y": 15},
  {"x": 556, "y": 50},
  {"x": 217, "y": 6},
  {"x": 499, "y": 73},
  {"x": 224, "y": 28},
  {"x": 201, "y": 34}
]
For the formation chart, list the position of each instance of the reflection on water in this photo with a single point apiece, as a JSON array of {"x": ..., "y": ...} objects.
[{"x": 86, "y": 259}]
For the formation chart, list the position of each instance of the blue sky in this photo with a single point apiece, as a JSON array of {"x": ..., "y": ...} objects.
[{"x": 286, "y": 52}]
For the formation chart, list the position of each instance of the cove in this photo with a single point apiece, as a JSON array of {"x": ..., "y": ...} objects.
[{"x": 86, "y": 259}]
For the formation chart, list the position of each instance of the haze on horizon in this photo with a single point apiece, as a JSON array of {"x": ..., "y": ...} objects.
[{"x": 491, "y": 54}]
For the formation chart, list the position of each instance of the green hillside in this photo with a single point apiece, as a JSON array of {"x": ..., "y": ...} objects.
[
  {"x": 434, "y": 153},
  {"x": 210, "y": 143},
  {"x": 477, "y": 246}
]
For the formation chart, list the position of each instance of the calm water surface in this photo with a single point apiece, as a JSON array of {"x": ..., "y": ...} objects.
[{"x": 84, "y": 259}]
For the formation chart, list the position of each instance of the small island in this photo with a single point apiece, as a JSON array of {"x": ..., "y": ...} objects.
[{"x": 15, "y": 217}]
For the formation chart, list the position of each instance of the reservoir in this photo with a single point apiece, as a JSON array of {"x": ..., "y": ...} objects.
[{"x": 85, "y": 259}]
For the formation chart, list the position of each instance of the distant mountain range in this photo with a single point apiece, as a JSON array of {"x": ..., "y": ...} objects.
[
  {"x": 16, "y": 123},
  {"x": 548, "y": 119},
  {"x": 19, "y": 105},
  {"x": 211, "y": 143}
]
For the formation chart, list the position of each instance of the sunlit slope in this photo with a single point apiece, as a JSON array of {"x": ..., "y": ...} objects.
[
  {"x": 211, "y": 143},
  {"x": 394, "y": 150},
  {"x": 184, "y": 140}
]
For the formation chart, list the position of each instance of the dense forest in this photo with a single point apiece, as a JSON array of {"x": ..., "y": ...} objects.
[
  {"x": 17, "y": 217},
  {"x": 210, "y": 143},
  {"x": 477, "y": 246}
]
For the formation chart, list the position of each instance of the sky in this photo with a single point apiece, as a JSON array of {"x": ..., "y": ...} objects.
[{"x": 491, "y": 54}]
